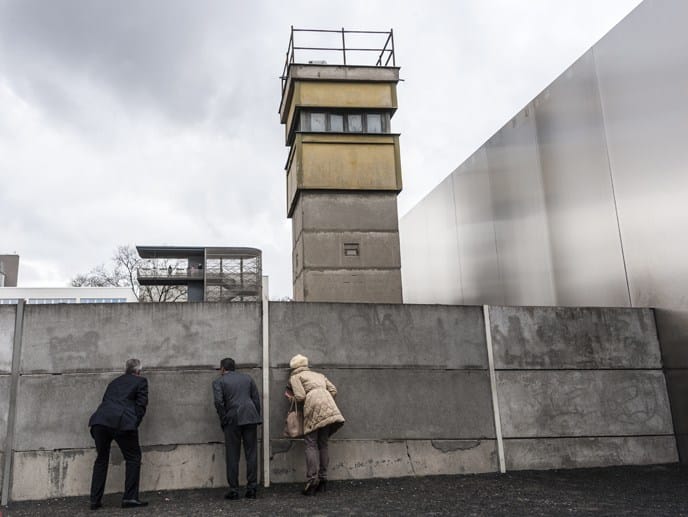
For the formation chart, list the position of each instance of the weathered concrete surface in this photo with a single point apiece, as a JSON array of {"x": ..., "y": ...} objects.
[
  {"x": 569, "y": 453},
  {"x": 65, "y": 338},
  {"x": 354, "y": 335},
  {"x": 360, "y": 459},
  {"x": 7, "y": 318},
  {"x": 44, "y": 474},
  {"x": 583, "y": 403},
  {"x": 180, "y": 409},
  {"x": 326, "y": 250},
  {"x": 402, "y": 404},
  {"x": 566, "y": 337},
  {"x": 352, "y": 286},
  {"x": 367, "y": 211}
]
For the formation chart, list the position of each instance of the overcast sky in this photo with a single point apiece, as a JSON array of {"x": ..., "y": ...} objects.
[{"x": 155, "y": 122}]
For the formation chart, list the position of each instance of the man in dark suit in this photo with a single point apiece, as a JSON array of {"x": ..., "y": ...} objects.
[
  {"x": 238, "y": 406},
  {"x": 118, "y": 418}
]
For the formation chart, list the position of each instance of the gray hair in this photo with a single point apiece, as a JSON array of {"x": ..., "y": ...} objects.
[{"x": 133, "y": 366}]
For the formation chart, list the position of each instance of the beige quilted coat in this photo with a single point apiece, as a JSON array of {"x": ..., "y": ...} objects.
[{"x": 317, "y": 394}]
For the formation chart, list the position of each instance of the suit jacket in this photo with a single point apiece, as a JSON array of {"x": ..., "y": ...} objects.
[
  {"x": 123, "y": 405},
  {"x": 236, "y": 399}
]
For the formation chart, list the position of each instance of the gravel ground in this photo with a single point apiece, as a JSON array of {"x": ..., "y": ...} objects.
[{"x": 655, "y": 491}]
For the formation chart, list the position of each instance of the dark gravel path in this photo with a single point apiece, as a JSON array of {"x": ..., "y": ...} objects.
[{"x": 652, "y": 491}]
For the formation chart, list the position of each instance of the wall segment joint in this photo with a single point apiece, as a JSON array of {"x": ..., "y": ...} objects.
[
  {"x": 12, "y": 411},
  {"x": 493, "y": 389}
]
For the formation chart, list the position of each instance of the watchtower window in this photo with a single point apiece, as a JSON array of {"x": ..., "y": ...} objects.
[
  {"x": 344, "y": 122},
  {"x": 318, "y": 121},
  {"x": 355, "y": 123},
  {"x": 336, "y": 123},
  {"x": 374, "y": 121}
]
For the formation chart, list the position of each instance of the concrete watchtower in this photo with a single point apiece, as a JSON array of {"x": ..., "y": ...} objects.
[{"x": 343, "y": 172}]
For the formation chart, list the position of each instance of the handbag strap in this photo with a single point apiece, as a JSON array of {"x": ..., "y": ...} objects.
[{"x": 293, "y": 406}]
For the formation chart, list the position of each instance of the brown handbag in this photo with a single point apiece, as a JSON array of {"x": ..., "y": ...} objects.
[{"x": 293, "y": 424}]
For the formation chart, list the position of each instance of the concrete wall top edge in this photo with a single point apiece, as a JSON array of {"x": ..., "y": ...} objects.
[
  {"x": 103, "y": 337},
  {"x": 355, "y": 335},
  {"x": 571, "y": 338}
]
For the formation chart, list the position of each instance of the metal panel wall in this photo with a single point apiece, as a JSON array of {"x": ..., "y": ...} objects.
[
  {"x": 480, "y": 278},
  {"x": 642, "y": 68},
  {"x": 588, "y": 205},
  {"x": 584, "y": 236},
  {"x": 518, "y": 210}
]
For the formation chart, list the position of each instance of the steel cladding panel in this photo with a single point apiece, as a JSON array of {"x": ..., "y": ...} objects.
[
  {"x": 414, "y": 242},
  {"x": 523, "y": 248},
  {"x": 584, "y": 237},
  {"x": 480, "y": 275},
  {"x": 643, "y": 76},
  {"x": 442, "y": 274}
]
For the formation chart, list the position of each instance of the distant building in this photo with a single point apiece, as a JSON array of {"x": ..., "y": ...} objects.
[
  {"x": 208, "y": 274},
  {"x": 52, "y": 295},
  {"x": 9, "y": 269}
]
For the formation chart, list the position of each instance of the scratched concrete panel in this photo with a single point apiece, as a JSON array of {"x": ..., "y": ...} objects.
[
  {"x": 567, "y": 337},
  {"x": 361, "y": 459},
  {"x": 7, "y": 317},
  {"x": 583, "y": 403},
  {"x": 401, "y": 404},
  {"x": 569, "y": 453},
  {"x": 351, "y": 335},
  {"x": 67, "y": 338},
  {"x": 47, "y": 474},
  {"x": 180, "y": 409}
]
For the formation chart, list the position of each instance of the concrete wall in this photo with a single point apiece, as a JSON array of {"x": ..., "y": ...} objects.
[
  {"x": 70, "y": 353},
  {"x": 580, "y": 387},
  {"x": 576, "y": 387},
  {"x": 7, "y": 319},
  {"x": 413, "y": 384},
  {"x": 579, "y": 199}
]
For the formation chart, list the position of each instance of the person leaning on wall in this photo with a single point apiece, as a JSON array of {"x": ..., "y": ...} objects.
[
  {"x": 321, "y": 418},
  {"x": 118, "y": 418},
  {"x": 238, "y": 405}
]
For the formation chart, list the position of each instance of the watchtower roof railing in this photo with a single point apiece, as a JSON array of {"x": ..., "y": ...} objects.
[{"x": 339, "y": 54}]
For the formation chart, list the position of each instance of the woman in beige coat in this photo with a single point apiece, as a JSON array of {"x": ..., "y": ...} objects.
[{"x": 321, "y": 418}]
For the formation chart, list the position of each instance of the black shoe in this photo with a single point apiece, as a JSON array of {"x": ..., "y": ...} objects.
[
  {"x": 95, "y": 506},
  {"x": 311, "y": 488},
  {"x": 251, "y": 493},
  {"x": 133, "y": 503},
  {"x": 322, "y": 485},
  {"x": 232, "y": 494}
]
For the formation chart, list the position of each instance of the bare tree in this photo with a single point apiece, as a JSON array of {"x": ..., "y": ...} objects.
[{"x": 122, "y": 272}]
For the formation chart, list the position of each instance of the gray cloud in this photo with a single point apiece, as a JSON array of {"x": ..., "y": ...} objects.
[{"x": 152, "y": 122}]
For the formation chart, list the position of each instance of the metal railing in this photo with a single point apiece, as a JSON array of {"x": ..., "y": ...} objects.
[
  {"x": 153, "y": 272},
  {"x": 385, "y": 53}
]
